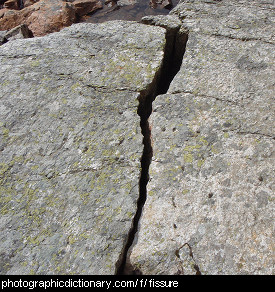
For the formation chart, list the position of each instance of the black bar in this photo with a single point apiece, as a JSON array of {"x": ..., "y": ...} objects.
[{"x": 179, "y": 282}]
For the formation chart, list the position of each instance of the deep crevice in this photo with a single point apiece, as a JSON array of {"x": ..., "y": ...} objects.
[{"x": 173, "y": 55}]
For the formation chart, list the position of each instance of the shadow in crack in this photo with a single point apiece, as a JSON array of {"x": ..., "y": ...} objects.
[{"x": 173, "y": 54}]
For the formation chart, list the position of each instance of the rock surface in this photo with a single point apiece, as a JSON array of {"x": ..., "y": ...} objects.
[
  {"x": 18, "y": 32},
  {"x": 83, "y": 7},
  {"x": 71, "y": 145},
  {"x": 74, "y": 155},
  {"x": 210, "y": 196},
  {"x": 12, "y": 4}
]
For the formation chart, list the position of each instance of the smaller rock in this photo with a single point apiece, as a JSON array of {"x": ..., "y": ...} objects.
[
  {"x": 126, "y": 2},
  {"x": 12, "y": 4},
  {"x": 161, "y": 3},
  {"x": 19, "y": 32},
  {"x": 2, "y": 37},
  {"x": 84, "y": 7},
  {"x": 3, "y": 11},
  {"x": 169, "y": 22},
  {"x": 43, "y": 17},
  {"x": 29, "y": 2}
]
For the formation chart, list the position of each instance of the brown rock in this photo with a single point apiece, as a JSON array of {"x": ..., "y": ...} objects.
[
  {"x": 161, "y": 3},
  {"x": 12, "y": 18},
  {"x": 29, "y": 2},
  {"x": 3, "y": 11},
  {"x": 12, "y": 4},
  {"x": 83, "y": 7},
  {"x": 50, "y": 16},
  {"x": 43, "y": 17}
]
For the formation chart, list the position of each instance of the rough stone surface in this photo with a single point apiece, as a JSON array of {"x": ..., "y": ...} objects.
[
  {"x": 29, "y": 2},
  {"x": 71, "y": 144},
  {"x": 83, "y": 7},
  {"x": 12, "y": 4},
  {"x": 160, "y": 3},
  {"x": 126, "y": 2},
  {"x": 2, "y": 37},
  {"x": 210, "y": 196},
  {"x": 18, "y": 32}
]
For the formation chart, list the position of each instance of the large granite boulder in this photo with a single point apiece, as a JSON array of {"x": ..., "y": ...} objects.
[
  {"x": 210, "y": 196},
  {"x": 78, "y": 192},
  {"x": 71, "y": 145}
]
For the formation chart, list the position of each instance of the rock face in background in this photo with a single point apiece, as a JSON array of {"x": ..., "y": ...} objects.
[
  {"x": 46, "y": 16},
  {"x": 42, "y": 17},
  {"x": 12, "y": 4},
  {"x": 71, "y": 145},
  {"x": 83, "y": 7},
  {"x": 210, "y": 197}
]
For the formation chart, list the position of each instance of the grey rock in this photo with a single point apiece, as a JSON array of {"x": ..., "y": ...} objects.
[
  {"x": 126, "y": 2},
  {"x": 19, "y": 32},
  {"x": 2, "y": 37},
  {"x": 71, "y": 145},
  {"x": 210, "y": 196}
]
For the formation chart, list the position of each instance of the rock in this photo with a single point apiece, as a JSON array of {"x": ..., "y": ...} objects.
[
  {"x": 160, "y": 3},
  {"x": 84, "y": 7},
  {"x": 2, "y": 37},
  {"x": 3, "y": 11},
  {"x": 50, "y": 17},
  {"x": 29, "y": 2},
  {"x": 210, "y": 203},
  {"x": 12, "y": 18},
  {"x": 43, "y": 17},
  {"x": 19, "y": 32},
  {"x": 47, "y": 16},
  {"x": 126, "y": 2},
  {"x": 71, "y": 145},
  {"x": 12, "y": 4}
]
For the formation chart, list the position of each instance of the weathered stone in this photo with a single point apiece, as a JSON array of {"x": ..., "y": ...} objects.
[
  {"x": 71, "y": 144},
  {"x": 19, "y": 32},
  {"x": 50, "y": 16},
  {"x": 83, "y": 7},
  {"x": 29, "y": 2},
  {"x": 160, "y": 3},
  {"x": 12, "y": 4},
  {"x": 2, "y": 37},
  {"x": 210, "y": 197},
  {"x": 126, "y": 2},
  {"x": 3, "y": 11},
  {"x": 166, "y": 21}
]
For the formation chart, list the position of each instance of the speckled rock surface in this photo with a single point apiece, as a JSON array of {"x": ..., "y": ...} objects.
[
  {"x": 210, "y": 197},
  {"x": 71, "y": 144}
]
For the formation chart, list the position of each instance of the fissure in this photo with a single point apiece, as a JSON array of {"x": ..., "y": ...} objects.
[{"x": 173, "y": 55}]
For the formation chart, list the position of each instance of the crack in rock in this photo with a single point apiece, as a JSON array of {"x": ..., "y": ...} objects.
[
  {"x": 191, "y": 255},
  {"x": 176, "y": 39}
]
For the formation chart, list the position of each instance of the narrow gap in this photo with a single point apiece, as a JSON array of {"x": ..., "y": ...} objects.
[{"x": 173, "y": 54}]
